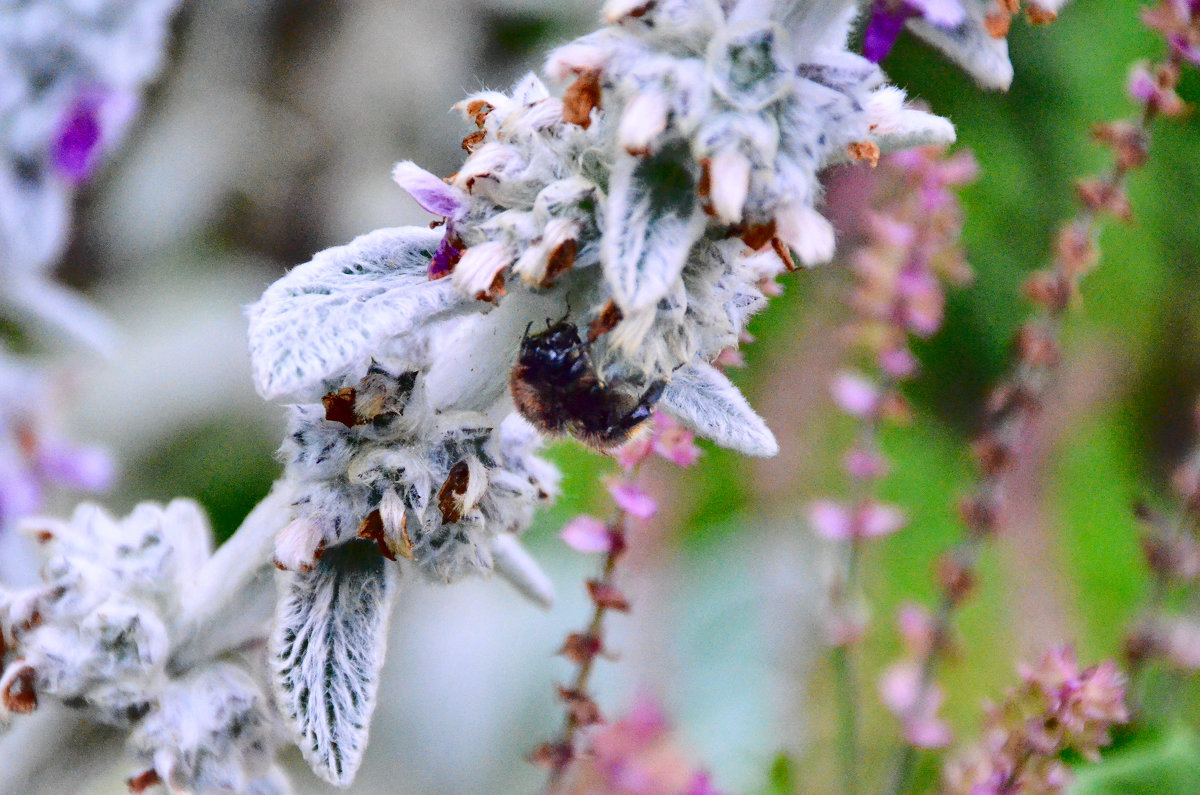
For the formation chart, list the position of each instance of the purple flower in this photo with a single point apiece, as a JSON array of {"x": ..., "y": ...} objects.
[
  {"x": 429, "y": 191},
  {"x": 444, "y": 258},
  {"x": 77, "y": 146},
  {"x": 74, "y": 466},
  {"x": 888, "y": 17}
]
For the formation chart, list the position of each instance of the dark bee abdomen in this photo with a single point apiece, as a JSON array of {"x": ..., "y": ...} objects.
[{"x": 555, "y": 386}]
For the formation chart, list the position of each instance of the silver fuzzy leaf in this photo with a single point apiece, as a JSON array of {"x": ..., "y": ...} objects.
[
  {"x": 327, "y": 647},
  {"x": 971, "y": 46},
  {"x": 654, "y": 219},
  {"x": 702, "y": 398},
  {"x": 326, "y": 318}
]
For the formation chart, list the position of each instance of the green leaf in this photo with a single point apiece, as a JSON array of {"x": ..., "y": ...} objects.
[{"x": 1163, "y": 765}]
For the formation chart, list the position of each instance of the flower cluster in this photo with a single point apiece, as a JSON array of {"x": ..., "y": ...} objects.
[
  {"x": 635, "y": 755},
  {"x": 71, "y": 74},
  {"x": 1057, "y": 708},
  {"x": 102, "y": 632},
  {"x": 639, "y": 217}
]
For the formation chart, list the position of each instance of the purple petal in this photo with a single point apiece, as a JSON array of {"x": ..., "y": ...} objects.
[
  {"x": 883, "y": 28},
  {"x": 434, "y": 195},
  {"x": 82, "y": 468},
  {"x": 444, "y": 258},
  {"x": 76, "y": 148}
]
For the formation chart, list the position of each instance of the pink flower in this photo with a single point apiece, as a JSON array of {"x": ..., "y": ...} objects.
[
  {"x": 838, "y": 522},
  {"x": 855, "y": 394},
  {"x": 674, "y": 442},
  {"x": 632, "y": 499},
  {"x": 916, "y": 627},
  {"x": 900, "y": 689},
  {"x": 587, "y": 534},
  {"x": 1142, "y": 85},
  {"x": 863, "y": 464},
  {"x": 876, "y": 519},
  {"x": 730, "y": 357},
  {"x": 633, "y": 453},
  {"x": 898, "y": 362},
  {"x": 830, "y": 520}
]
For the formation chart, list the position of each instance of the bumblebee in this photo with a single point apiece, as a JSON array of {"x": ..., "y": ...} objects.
[{"x": 556, "y": 387}]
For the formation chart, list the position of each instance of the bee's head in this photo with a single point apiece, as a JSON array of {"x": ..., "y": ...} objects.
[{"x": 552, "y": 346}]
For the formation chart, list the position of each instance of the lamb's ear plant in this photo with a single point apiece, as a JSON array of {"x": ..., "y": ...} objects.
[
  {"x": 642, "y": 209},
  {"x": 589, "y": 272}
]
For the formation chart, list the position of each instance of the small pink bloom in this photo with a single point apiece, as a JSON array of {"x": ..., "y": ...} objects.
[
  {"x": 901, "y": 691},
  {"x": 632, "y": 499},
  {"x": 900, "y": 687},
  {"x": 862, "y": 464},
  {"x": 1142, "y": 86},
  {"x": 916, "y": 627},
  {"x": 855, "y": 394},
  {"x": 631, "y": 454},
  {"x": 830, "y": 520},
  {"x": 928, "y": 732},
  {"x": 959, "y": 169},
  {"x": 876, "y": 519},
  {"x": 674, "y": 442},
  {"x": 898, "y": 362},
  {"x": 587, "y": 534},
  {"x": 892, "y": 231}
]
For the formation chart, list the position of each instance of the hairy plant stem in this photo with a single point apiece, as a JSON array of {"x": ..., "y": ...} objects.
[
  {"x": 1013, "y": 407},
  {"x": 562, "y": 751}
]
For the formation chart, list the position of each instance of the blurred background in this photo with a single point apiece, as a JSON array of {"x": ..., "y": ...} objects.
[{"x": 272, "y": 135}]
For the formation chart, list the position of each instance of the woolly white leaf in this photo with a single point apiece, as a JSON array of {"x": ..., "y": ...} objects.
[
  {"x": 971, "y": 46},
  {"x": 703, "y": 399},
  {"x": 653, "y": 220},
  {"x": 327, "y": 648},
  {"x": 514, "y": 563},
  {"x": 894, "y": 126},
  {"x": 325, "y": 319}
]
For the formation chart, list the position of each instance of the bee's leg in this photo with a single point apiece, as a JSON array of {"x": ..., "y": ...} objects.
[{"x": 619, "y": 431}]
